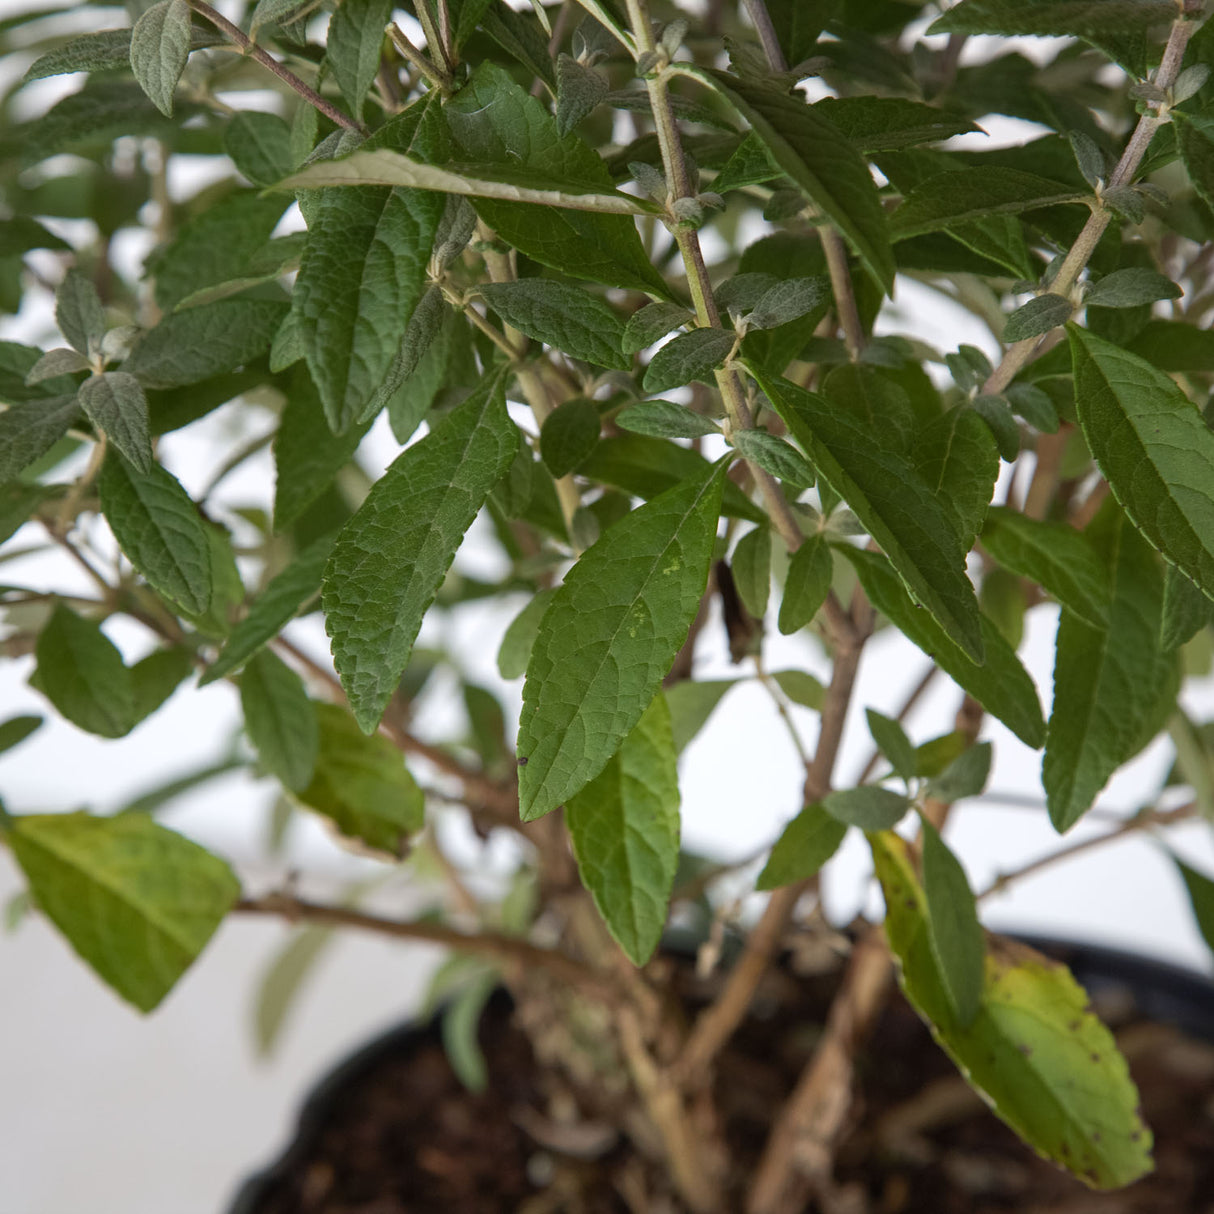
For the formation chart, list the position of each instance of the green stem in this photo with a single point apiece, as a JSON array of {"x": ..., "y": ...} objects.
[{"x": 436, "y": 77}]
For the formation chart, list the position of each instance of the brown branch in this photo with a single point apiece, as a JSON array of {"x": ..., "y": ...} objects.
[
  {"x": 493, "y": 945},
  {"x": 239, "y": 38},
  {"x": 843, "y": 290}
]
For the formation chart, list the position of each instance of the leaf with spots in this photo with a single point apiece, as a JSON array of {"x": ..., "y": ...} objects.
[
  {"x": 1034, "y": 1049},
  {"x": 610, "y": 635},
  {"x": 625, "y": 830},
  {"x": 392, "y": 556}
]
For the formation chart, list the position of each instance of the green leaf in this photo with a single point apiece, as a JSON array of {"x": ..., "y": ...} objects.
[
  {"x": 1000, "y": 684},
  {"x": 801, "y": 687},
  {"x": 1173, "y": 345},
  {"x": 775, "y": 456},
  {"x": 624, "y": 826},
  {"x": 1044, "y": 1062},
  {"x": 808, "y": 581},
  {"x": 138, "y": 902},
  {"x": 188, "y": 347},
  {"x": 868, "y": 807},
  {"x": 566, "y": 317},
  {"x": 277, "y": 605},
  {"x": 1195, "y": 141},
  {"x": 1109, "y": 683},
  {"x": 661, "y": 419},
  {"x": 1201, "y": 897},
  {"x": 647, "y": 466},
  {"x": 278, "y": 12},
  {"x": 1061, "y": 560},
  {"x": 953, "y": 929},
  {"x": 102, "y": 51},
  {"x": 160, "y": 46},
  {"x": 965, "y": 776},
  {"x": 579, "y": 91},
  {"x": 687, "y": 357},
  {"x": 55, "y": 363},
  {"x": 1038, "y": 316},
  {"x": 788, "y": 301},
  {"x": 364, "y": 271},
  {"x": 1130, "y": 287},
  {"x": 361, "y": 784},
  {"x": 353, "y": 47},
  {"x": 609, "y": 636},
  {"x": 749, "y": 165},
  {"x": 18, "y": 503},
  {"x": 1185, "y": 610},
  {"x": 29, "y": 429},
  {"x": 807, "y": 842},
  {"x": 280, "y": 983},
  {"x": 569, "y": 434},
  {"x": 957, "y": 456},
  {"x": 515, "y": 650},
  {"x": 79, "y": 314},
  {"x": 279, "y": 719},
  {"x": 892, "y": 742},
  {"x": 752, "y": 570},
  {"x": 884, "y": 124},
  {"x": 963, "y": 195},
  {"x": 21, "y": 234},
  {"x": 155, "y": 677},
  {"x": 307, "y": 454},
  {"x": 114, "y": 402},
  {"x": 1153, "y": 447},
  {"x": 894, "y": 503},
  {"x": 391, "y": 557},
  {"x": 158, "y": 528},
  {"x": 15, "y": 730},
  {"x": 259, "y": 145},
  {"x": 823, "y": 163},
  {"x": 82, "y": 674},
  {"x": 997, "y": 413},
  {"x": 691, "y": 704},
  {"x": 651, "y": 322}
]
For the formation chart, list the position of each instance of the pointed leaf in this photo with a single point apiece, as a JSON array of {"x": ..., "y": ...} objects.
[
  {"x": 805, "y": 588},
  {"x": 957, "y": 456},
  {"x": 687, "y": 357},
  {"x": 1201, "y": 897},
  {"x": 279, "y": 718},
  {"x": 654, "y": 320},
  {"x": 1111, "y": 685},
  {"x": 823, "y": 163},
  {"x": 1154, "y": 448},
  {"x": 869, "y": 807},
  {"x": 965, "y": 776},
  {"x": 54, "y": 363},
  {"x": 953, "y": 929},
  {"x": 155, "y": 678},
  {"x": 609, "y": 636},
  {"x": 883, "y": 124},
  {"x": 1061, "y": 560},
  {"x": 79, "y": 314},
  {"x": 15, "y": 730},
  {"x": 160, "y": 46},
  {"x": 272, "y": 610},
  {"x": 964, "y": 195},
  {"x": 579, "y": 90},
  {"x": 158, "y": 528},
  {"x": 752, "y": 570},
  {"x": 259, "y": 145},
  {"x": 624, "y": 826},
  {"x": 781, "y": 459},
  {"x": 1035, "y": 1050},
  {"x": 808, "y": 841},
  {"x": 361, "y": 784},
  {"x": 116, "y": 405},
  {"x": 566, "y": 317},
  {"x": 354, "y": 45},
  {"x": 1185, "y": 610},
  {"x": 81, "y": 672},
  {"x": 391, "y": 557},
  {"x": 892, "y": 742},
  {"x": 136, "y": 901},
  {"x": 892, "y": 501},
  {"x": 280, "y": 984},
  {"x": 1130, "y": 287},
  {"x": 29, "y": 429},
  {"x": 801, "y": 688},
  {"x": 1036, "y": 317},
  {"x": 364, "y": 271},
  {"x": 569, "y": 434},
  {"x": 691, "y": 704},
  {"x": 1001, "y": 684},
  {"x": 661, "y": 419}
]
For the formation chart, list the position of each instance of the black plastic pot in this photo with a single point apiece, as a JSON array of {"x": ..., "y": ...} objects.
[{"x": 1141, "y": 987}]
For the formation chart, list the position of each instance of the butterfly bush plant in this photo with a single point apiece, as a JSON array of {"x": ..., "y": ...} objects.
[{"x": 613, "y": 271}]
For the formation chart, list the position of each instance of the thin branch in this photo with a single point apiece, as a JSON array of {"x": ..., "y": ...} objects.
[
  {"x": 435, "y": 75},
  {"x": 1022, "y": 352},
  {"x": 493, "y": 945},
  {"x": 239, "y": 38},
  {"x": 842, "y": 287},
  {"x": 1146, "y": 819},
  {"x": 761, "y": 20}
]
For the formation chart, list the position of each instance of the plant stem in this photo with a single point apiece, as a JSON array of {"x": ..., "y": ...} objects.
[
  {"x": 843, "y": 290},
  {"x": 436, "y": 77},
  {"x": 1022, "y": 352},
  {"x": 250, "y": 48},
  {"x": 485, "y": 944},
  {"x": 761, "y": 19}
]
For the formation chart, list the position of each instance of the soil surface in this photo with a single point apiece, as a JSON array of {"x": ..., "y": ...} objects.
[{"x": 400, "y": 1134}]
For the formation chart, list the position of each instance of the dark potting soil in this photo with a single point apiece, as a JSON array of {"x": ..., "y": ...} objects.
[{"x": 404, "y": 1137}]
